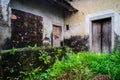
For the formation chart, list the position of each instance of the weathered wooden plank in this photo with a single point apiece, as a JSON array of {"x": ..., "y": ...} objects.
[
  {"x": 56, "y": 35},
  {"x": 106, "y": 35},
  {"x": 96, "y": 36}
]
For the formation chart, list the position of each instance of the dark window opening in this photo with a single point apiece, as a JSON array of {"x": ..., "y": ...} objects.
[{"x": 67, "y": 27}]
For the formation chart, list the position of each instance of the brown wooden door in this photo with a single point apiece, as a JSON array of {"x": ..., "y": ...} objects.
[
  {"x": 101, "y": 35},
  {"x": 56, "y": 35}
]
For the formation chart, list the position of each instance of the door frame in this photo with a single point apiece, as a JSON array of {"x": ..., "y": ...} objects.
[{"x": 99, "y": 17}]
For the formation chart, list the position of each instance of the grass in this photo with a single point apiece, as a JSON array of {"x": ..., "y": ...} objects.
[
  {"x": 83, "y": 66},
  {"x": 69, "y": 66}
]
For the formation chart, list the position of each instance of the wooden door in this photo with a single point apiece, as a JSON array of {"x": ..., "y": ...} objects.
[
  {"x": 26, "y": 29},
  {"x": 96, "y": 36},
  {"x": 56, "y": 35},
  {"x": 106, "y": 35},
  {"x": 101, "y": 35}
]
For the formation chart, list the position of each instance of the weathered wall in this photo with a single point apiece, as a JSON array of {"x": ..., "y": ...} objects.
[
  {"x": 51, "y": 15},
  {"x": 78, "y": 21},
  {"x": 92, "y": 10},
  {"x": 5, "y": 31}
]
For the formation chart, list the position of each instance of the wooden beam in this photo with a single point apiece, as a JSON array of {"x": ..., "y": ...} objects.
[{"x": 64, "y": 5}]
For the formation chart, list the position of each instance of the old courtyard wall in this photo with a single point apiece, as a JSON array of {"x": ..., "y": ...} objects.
[
  {"x": 89, "y": 10},
  {"x": 78, "y": 21},
  {"x": 50, "y": 14}
]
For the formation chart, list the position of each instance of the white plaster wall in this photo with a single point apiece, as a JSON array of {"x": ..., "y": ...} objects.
[
  {"x": 5, "y": 31},
  {"x": 92, "y": 8},
  {"x": 4, "y": 4},
  {"x": 74, "y": 30},
  {"x": 103, "y": 14},
  {"x": 115, "y": 17},
  {"x": 51, "y": 15}
]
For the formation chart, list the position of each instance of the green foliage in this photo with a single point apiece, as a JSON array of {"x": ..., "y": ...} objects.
[
  {"x": 32, "y": 47},
  {"x": 29, "y": 61},
  {"x": 56, "y": 63},
  {"x": 13, "y": 51},
  {"x": 83, "y": 66},
  {"x": 70, "y": 67},
  {"x": 103, "y": 63}
]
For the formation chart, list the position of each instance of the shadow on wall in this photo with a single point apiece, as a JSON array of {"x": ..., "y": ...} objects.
[
  {"x": 7, "y": 44},
  {"x": 5, "y": 36},
  {"x": 77, "y": 43}
]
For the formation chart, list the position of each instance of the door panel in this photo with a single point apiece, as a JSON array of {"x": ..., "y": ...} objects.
[
  {"x": 106, "y": 35},
  {"x": 56, "y": 36},
  {"x": 96, "y": 36},
  {"x": 101, "y": 35}
]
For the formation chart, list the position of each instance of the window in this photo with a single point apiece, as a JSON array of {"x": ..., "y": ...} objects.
[{"x": 67, "y": 27}]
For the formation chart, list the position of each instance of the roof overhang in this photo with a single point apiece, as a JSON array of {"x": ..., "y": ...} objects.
[{"x": 64, "y": 4}]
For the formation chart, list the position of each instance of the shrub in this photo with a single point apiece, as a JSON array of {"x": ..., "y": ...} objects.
[
  {"x": 77, "y": 43},
  {"x": 59, "y": 64},
  {"x": 105, "y": 64},
  {"x": 69, "y": 68},
  {"x": 22, "y": 62},
  {"x": 85, "y": 66}
]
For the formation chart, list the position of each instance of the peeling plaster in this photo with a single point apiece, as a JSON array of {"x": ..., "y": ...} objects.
[
  {"x": 5, "y": 30},
  {"x": 4, "y": 4}
]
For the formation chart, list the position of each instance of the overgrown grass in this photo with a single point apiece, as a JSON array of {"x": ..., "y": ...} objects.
[
  {"x": 61, "y": 64},
  {"x": 70, "y": 67},
  {"x": 83, "y": 66},
  {"x": 19, "y": 63}
]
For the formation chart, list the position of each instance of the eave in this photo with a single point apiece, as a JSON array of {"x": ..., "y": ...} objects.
[{"x": 63, "y": 4}]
